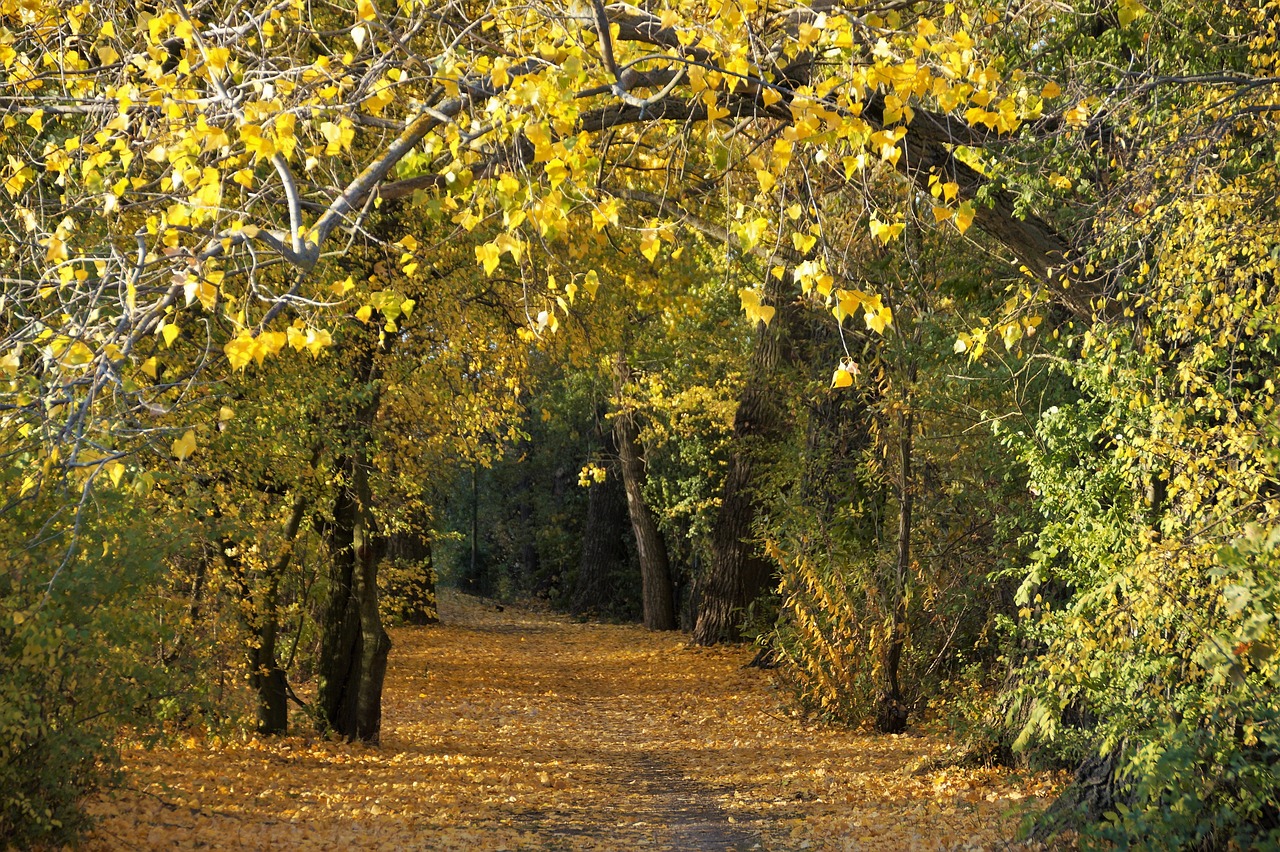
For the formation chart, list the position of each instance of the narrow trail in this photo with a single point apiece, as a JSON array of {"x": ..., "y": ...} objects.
[{"x": 519, "y": 730}]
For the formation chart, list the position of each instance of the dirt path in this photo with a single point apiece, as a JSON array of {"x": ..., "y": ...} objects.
[{"x": 515, "y": 730}]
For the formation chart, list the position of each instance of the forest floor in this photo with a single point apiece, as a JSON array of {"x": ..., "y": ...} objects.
[{"x": 522, "y": 730}]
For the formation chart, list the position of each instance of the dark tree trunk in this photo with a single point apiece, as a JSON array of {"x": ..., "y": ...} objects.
[
  {"x": 267, "y": 677},
  {"x": 655, "y": 568},
  {"x": 353, "y": 643},
  {"x": 604, "y": 553},
  {"x": 269, "y": 683},
  {"x": 482, "y": 588},
  {"x": 1095, "y": 789},
  {"x": 738, "y": 573},
  {"x": 891, "y": 712}
]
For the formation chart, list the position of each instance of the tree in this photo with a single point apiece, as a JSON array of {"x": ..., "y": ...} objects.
[
  {"x": 658, "y": 592},
  {"x": 604, "y": 533}
]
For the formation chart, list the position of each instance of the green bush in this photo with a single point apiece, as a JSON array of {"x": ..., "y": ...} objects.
[
  {"x": 76, "y": 632},
  {"x": 1149, "y": 614}
]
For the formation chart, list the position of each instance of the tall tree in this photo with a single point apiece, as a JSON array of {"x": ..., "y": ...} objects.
[{"x": 651, "y": 548}]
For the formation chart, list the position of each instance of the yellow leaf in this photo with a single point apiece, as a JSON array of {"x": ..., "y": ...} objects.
[
  {"x": 842, "y": 378},
  {"x": 847, "y": 303},
  {"x": 606, "y": 213},
  {"x": 185, "y": 446},
  {"x": 489, "y": 255},
  {"x": 885, "y": 233},
  {"x": 170, "y": 333},
  {"x": 268, "y": 343},
  {"x": 753, "y": 308},
  {"x": 942, "y": 214},
  {"x": 115, "y": 471},
  {"x": 715, "y": 112},
  {"x": 240, "y": 351},
  {"x": 1077, "y": 115},
  {"x": 752, "y": 232},
  {"x": 318, "y": 339},
  {"x": 556, "y": 172},
  {"x": 650, "y": 245},
  {"x": 964, "y": 216},
  {"x": 1130, "y": 11},
  {"x": 218, "y": 57},
  {"x": 879, "y": 320},
  {"x": 1050, "y": 90},
  {"x": 365, "y": 10},
  {"x": 364, "y": 313}
]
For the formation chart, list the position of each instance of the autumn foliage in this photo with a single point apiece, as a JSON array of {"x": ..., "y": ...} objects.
[{"x": 930, "y": 348}]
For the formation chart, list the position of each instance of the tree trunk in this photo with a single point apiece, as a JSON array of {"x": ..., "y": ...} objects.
[
  {"x": 655, "y": 568},
  {"x": 353, "y": 644},
  {"x": 603, "y": 552},
  {"x": 891, "y": 714},
  {"x": 271, "y": 687},
  {"x": 738, "y": 574},
  {"x": 374, "y": 643}
]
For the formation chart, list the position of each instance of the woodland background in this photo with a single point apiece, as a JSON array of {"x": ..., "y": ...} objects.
[{"x": 930, "y": 346}]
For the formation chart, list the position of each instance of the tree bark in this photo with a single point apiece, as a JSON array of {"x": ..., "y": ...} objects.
[
  {"x": 738, "y": 574},
  {"x": 266, "y": 675},
  {"x": 658, "y": 594},
  {"x": 892, "y": 712},
  {"x": 354, "y": 645}
]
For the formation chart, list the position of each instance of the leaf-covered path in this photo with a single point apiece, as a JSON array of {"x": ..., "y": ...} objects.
[{"x": 519, "y": 730}]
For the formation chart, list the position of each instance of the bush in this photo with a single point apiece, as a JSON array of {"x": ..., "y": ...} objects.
[{"x": 75, "y": 631}]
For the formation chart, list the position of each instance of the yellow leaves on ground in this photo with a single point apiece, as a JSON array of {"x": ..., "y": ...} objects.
[{"x": 520, "y": 730}]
